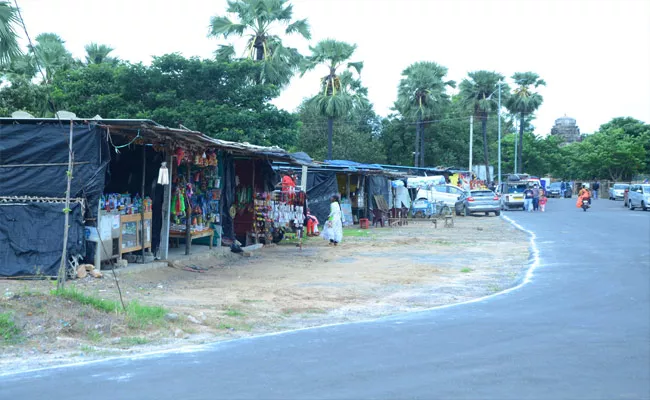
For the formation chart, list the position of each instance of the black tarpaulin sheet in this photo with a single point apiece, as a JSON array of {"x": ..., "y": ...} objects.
[
  {"x": 34, "y": 161},
  {"x": 227, "y": 163},
  {"x": 377, "y": 185},
  {"x": 31, "y": 237},
  {"x": 321, "y": 186}
]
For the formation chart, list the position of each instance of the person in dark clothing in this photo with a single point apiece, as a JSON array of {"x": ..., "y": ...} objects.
[{"x": 596, "y": 187}]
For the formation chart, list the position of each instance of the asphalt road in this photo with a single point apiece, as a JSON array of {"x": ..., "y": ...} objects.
[{"x": 579, "y": 330}]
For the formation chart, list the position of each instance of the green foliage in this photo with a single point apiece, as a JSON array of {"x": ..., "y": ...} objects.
[
  {"x": 140, "y": 315},
  {"x": 421, "y": 93},
  {"x": 51, "y": 55},
  {"x": 258, "y": 20},
  {"x": 9, "y": 332},
  {"x": 132, "y": 341},
  {"x": 9, "y": 47},
  {"x": 97, "y": 54},
  {"x": 82, "y": 298},
  {"x": 232, "y": 312}
]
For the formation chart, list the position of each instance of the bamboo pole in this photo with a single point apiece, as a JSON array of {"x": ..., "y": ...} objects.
[
  {"x": 60, "y": 284},
  {"x": 188, "y": 214},
  {"x": 142, "y": 229}
]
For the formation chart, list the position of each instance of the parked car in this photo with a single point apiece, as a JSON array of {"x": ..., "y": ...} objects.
[
  {"x": 511, "y": 195},
  {"x": 639, "y": 196},
  {"x": 617, "y": 191},
  {"x": 448, "y": 194},
  {"x": 554, "y": 190},
  {"x": 478, "y": 200}
]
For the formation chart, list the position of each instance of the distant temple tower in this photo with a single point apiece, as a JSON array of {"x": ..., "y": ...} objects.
[{"x": 566, "y": 129}]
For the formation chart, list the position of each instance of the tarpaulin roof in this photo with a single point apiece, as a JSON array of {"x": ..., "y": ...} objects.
[
  {"x": 351, "y": 164},
  {"x": 153, "y": 133}
]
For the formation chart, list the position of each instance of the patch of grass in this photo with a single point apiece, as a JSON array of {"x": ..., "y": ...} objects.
[
  {"x": 249, "y": 301},
  {"x": 9, "y": 332},
  {"x": 234, "y": 327},
  {"x": 137, "y": 315},
  {"x": 133, "y": 341},
  {"x": 94, "y": 335},
  {"x": 82, "y": 298},
  {"x": 443, "y": 242},
  {"x": 87, "y": 349},
  {"x": 354, "y": 232},
  {"x": 466, "y": 270},
  {"x": 233, "y": 312},
  {"x": 494, "y": 288},
  {"x": 140, "y": 315}
]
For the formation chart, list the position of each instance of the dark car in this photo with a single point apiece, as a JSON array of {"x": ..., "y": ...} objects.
[{"x": 554, "y": 190}]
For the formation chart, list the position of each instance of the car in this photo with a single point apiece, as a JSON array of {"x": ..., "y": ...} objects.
[
  {"x": 448, "y": 194},
  {"x": 478, "y": 200},
  {"x": 511, "y": 194},
  {"x": 554, "y": 190},
  {"x": 639, "y": 197},
  {"x": 617, "y": 191}
]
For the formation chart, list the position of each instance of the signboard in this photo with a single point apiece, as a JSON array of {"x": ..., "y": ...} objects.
[{"x": 346, "y": 209}]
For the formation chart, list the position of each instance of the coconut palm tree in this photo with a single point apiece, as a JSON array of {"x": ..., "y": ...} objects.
[
  {"x": 339, "y": 91},
  {"x": 524, "y": 101},
  {"x": 51, "y": 54},
  {"x": 9, "y": 47},
  {"x": 420, "y": 95},
  {"x": 478, "y": 94},
  {"x": 98, "y": 53},
  {"x": 257, "y": 19}
]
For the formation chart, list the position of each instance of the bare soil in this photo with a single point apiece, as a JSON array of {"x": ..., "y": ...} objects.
[{"x": 373, "y": 273}]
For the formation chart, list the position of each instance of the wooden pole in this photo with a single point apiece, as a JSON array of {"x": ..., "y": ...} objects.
[
  {"x": 254, "y": 207},
  {"x": 144, "y": 167},
  {"x": 60, "y": 284},
  {"x": 188, "y": 214}
]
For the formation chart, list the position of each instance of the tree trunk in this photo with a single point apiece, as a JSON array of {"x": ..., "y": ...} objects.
[
  {"x": 330, "y": 131},
  {"x": 520, "y": 146},
  {"x": 416, "y": 154},
  {"x": 421, "y": 142},
  {"x": 486, "y": 157}
]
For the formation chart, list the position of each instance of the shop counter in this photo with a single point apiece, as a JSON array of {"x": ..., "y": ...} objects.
[{"x": 193, "y": 235}]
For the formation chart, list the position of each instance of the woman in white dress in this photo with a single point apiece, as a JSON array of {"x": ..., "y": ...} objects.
[{"x": 333, "y": 230}]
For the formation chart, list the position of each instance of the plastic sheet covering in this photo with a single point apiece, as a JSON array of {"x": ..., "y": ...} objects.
[
  {"x": 31, "y": 237},
  {"x": 425, "y": 182},
  {"x": 34, "y": 161},
  {"x": 227, "y": 195},
  {"x": 377, "y": 185},
  {"x": 321, "y": 186}
]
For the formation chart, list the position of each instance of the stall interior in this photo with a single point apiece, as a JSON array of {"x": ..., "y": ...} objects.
[
  {"x": 196, "y": 199},
  {"x": 263, "y": 211},
  {"x": 353, "y": 198},
  {"x": 130, "y": 209}
]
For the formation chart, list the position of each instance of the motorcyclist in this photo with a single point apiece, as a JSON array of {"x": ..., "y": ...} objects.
[{"x": 583, "y": 194}]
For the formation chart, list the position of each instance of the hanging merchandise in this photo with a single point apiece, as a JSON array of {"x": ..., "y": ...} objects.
[
  {"x": 180, "y": 154},
  {"x": 163, "y": 174}
]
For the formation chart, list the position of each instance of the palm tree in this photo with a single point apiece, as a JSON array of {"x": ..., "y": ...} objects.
[
  {"x": 339, "y": 92},
  {"x": 524, "y": 101},
  {"x": 420, "y": 95},
  {"x": 51, "y": 54},
  {"x": 257, "y": 18},
  {"x": 9, "y": 47},
  {"x": 98, "y": 53},
  {"x": 476, "y": 93}
]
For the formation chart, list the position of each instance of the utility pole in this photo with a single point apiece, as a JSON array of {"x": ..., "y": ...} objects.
[
  {"x": 516, "y": 145},
  {"x": 499, "y": 144},
  {"x": 471, "y": 141}
]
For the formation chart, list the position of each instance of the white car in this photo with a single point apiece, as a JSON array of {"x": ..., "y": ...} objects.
[
  {"x": 448, "y": 194},
  {"x": 618, "y": 191},
  {"x": 639, "y": 196}
]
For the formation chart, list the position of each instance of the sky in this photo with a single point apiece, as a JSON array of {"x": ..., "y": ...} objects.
[{"x": 593, "y": 54}]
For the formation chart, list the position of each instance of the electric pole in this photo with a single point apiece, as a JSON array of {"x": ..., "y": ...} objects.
[
  {"x": 471, "y": 141},
  {"x": 499, "y": 144}
]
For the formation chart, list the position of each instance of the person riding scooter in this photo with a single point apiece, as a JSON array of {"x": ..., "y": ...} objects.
[{"x": 583, "y": 195}]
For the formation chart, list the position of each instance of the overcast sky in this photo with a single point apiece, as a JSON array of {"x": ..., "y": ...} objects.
[{"x": 593, "y": 54}]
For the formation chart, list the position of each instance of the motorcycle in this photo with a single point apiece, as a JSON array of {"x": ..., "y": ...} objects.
[{"x": 585, "y": 204}]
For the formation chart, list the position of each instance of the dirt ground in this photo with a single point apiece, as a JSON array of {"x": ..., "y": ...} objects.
[{"x": 373, "y": 273}]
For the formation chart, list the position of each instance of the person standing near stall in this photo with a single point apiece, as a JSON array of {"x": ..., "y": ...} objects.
[{"x": 333, "y": 230}]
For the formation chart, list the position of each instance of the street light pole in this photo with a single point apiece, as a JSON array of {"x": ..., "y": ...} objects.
[{"x": 499, "y": 144}]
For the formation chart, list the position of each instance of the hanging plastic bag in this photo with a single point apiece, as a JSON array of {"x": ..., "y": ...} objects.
[{"x": 163, "y": 174}]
